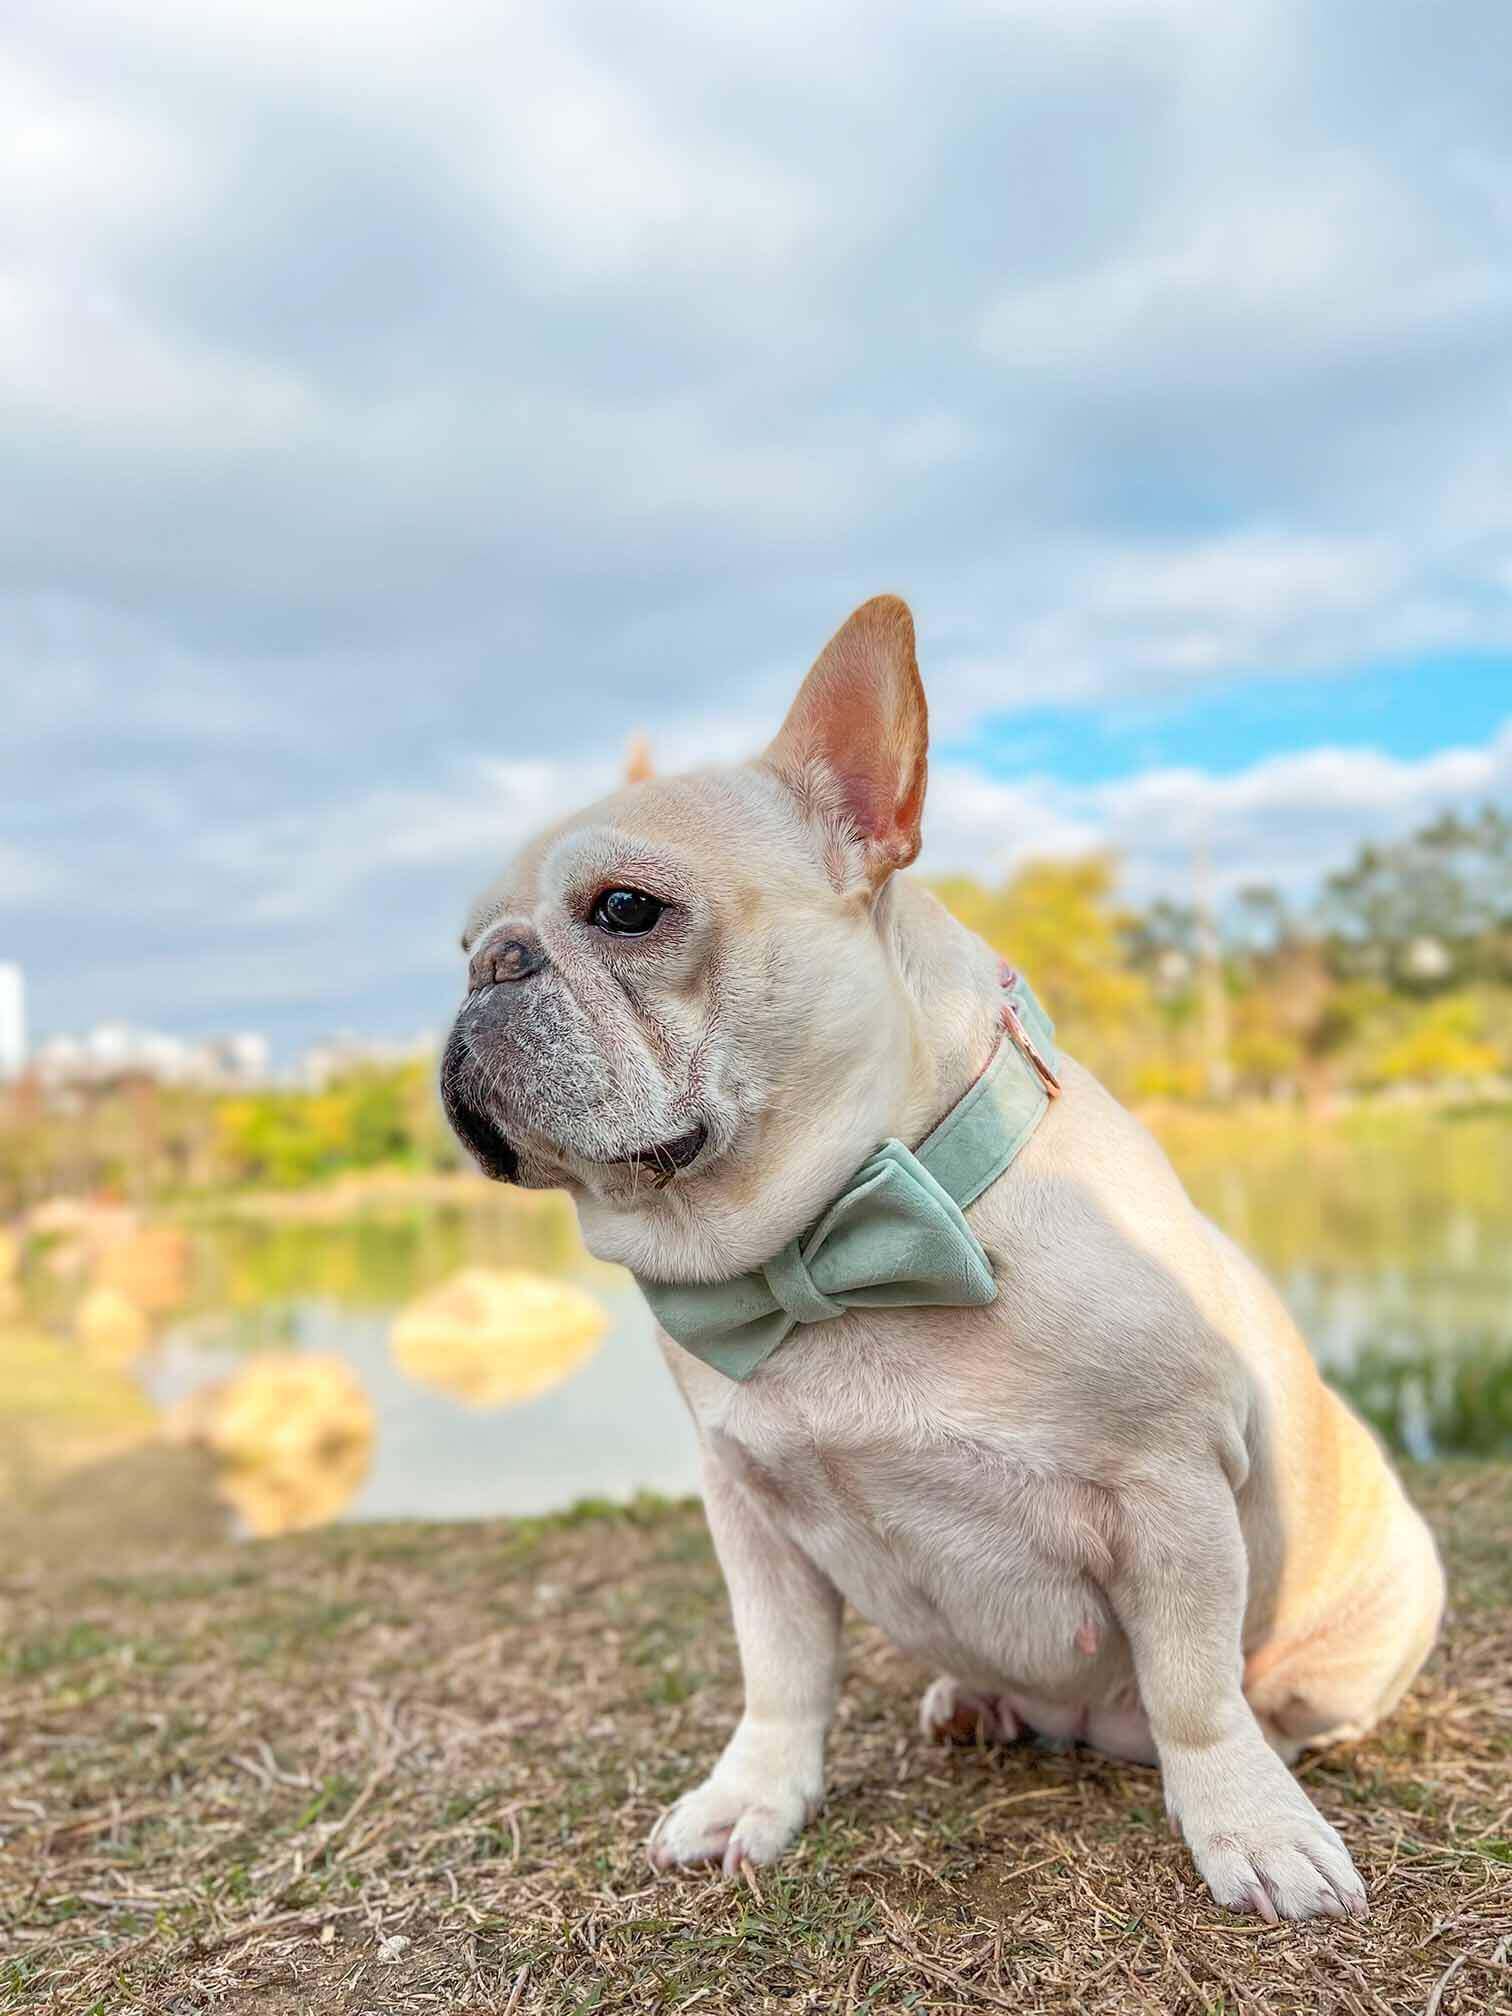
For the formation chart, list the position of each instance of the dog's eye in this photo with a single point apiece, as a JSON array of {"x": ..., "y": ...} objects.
[{"x": 629, "y": 913}]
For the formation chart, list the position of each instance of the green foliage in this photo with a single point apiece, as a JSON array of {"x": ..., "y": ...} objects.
[
  {"x": 1430, "y": 911},
  {"x": 1466, "y": 1394},
  {"x": 143, "y": 1141},
  {"x": 368, "y": 1120},
  {"x": 1399, "y": 979}
]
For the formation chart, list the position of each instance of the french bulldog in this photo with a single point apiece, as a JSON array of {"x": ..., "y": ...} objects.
[{"x": 1114, "y": 1503}]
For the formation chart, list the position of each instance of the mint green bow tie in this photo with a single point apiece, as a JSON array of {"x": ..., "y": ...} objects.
[{"x": 896, "y": 1235}]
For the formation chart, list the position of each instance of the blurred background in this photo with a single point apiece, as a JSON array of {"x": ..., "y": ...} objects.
[{"x": 402, "y": 407}]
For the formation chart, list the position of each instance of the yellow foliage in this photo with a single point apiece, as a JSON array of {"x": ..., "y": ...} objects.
[
  {"x": 1058, "y": 922},
  {"x": 1444, "y": 1043},
  {"x": 291, "y": 1498},
  {"x": 1169, "y": 1078},
  {"x": 1264, "y": 1039},
  {"x": 287, "y": 1410}
]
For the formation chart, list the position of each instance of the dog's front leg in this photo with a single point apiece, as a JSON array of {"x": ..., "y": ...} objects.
[
  {"x": 770, "y": 1779},
  {"x": 1179, "y": 1592}
]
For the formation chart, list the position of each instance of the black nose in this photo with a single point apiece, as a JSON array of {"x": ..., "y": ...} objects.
[{"x": 513, "y": 955}]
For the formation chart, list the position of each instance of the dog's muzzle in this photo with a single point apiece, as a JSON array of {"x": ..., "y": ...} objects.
[
  {"x": 510, "y": 956},
  {"x": 465, "y": 1113}
]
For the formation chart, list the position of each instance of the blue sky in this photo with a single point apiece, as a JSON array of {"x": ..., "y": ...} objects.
[
  {"x": 402, "y": 402},
  {"x": 1408, "y": 710}
]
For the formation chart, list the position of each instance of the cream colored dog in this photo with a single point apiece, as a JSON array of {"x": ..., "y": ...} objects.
[{"x": 1116, "y": 1505}]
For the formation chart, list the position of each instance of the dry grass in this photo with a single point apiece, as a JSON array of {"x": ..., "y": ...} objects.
[{"x": 404, "y": 1769}]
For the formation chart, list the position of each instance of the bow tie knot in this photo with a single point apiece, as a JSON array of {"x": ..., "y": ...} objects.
[{"x": 795, "y": 1289}]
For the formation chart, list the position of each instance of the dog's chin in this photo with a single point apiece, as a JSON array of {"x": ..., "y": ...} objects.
[
  {"x": 656, "y": 1163},
  {"x": 645, "y": 1168}
]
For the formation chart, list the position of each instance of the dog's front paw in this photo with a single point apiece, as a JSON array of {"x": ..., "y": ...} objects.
[
  {"x": 722, "y": 1821},
  {"x": 1294, "y": 1866},
  {"x": 1258, "y": 1840}
]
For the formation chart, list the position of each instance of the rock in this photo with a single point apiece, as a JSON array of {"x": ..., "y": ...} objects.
[
  {"x": 149, "y": 1264},
  {"x": 74, "y": 1231},
  {"x": 288, "y": 1409}
]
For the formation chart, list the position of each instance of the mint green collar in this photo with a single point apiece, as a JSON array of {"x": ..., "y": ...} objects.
[{"x": 896, "y": 1235}]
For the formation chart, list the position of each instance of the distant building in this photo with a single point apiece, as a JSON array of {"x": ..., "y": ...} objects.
[
  {"x": 242, "y": 1059},
  {"x": 12, "y": 1021},
  {"x": 338, "y": 1056},
  {"x": 114, "y": 1050}
]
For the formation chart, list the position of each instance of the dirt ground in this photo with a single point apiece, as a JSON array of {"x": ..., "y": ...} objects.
[{"x": 388, "y": 1769}]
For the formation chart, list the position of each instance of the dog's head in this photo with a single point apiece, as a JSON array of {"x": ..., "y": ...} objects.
[{"x": 681, "y": 1004}]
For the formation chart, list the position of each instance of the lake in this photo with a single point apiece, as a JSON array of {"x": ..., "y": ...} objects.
[{"x": 452, "y": 1352}]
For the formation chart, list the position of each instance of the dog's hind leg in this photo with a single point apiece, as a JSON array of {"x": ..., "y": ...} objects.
[
  {"x": 950, "y": 1712},
  {"x": 1333, "y": 1683}
]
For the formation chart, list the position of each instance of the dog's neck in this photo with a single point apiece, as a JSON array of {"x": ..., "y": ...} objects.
[
  {"x": 950, "y": 980},
  {"x": 936, "y": 1025}
]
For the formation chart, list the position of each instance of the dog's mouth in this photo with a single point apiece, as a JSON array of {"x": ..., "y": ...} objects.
[
  {"x": 666, "y": 1159},
  {"x": 482, "y": 1134}
]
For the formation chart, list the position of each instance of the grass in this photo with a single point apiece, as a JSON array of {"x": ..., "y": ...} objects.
[{"x": 410, "y": 1768}]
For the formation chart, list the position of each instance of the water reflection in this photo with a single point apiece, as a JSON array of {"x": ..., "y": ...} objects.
[
  {"x": 294, "y": 1436},
  {"x": 1387, "y": 1232},
  {"x": 608, "y": 1426},
  {"x": 496, "y": 1337},
  {"x": 456, "y": 1353}
]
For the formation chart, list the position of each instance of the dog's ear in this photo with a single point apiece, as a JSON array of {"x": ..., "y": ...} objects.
[
  {"x": 854, "y": 747},
  {"x": 638, "y": 764}
]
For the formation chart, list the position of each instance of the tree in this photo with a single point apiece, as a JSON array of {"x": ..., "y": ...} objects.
[
  {"x": 1058, "y": 922},
  {"x": 1426, "y": 913}
]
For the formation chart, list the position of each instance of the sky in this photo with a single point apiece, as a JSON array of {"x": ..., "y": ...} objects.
[{"x": 402, "y": 402}]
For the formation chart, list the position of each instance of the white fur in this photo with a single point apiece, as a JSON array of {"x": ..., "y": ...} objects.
[{"x": 1117, "y": 1505}]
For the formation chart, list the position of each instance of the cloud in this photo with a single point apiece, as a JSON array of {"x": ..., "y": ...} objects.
[
  {"x": 1158, "y": 617},
  {"x": 1283, "y": 820},
  {"x": 25, "y": 880},
  {"x": 1340, "y": 259},
  {"x": 407, "y": 404}
]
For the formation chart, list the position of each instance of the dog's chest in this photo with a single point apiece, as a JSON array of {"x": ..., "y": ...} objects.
[{"x": 952, "y": 1535}]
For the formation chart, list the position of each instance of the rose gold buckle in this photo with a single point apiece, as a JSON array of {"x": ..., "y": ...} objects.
[{"x": 1013, "y": 1022}]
